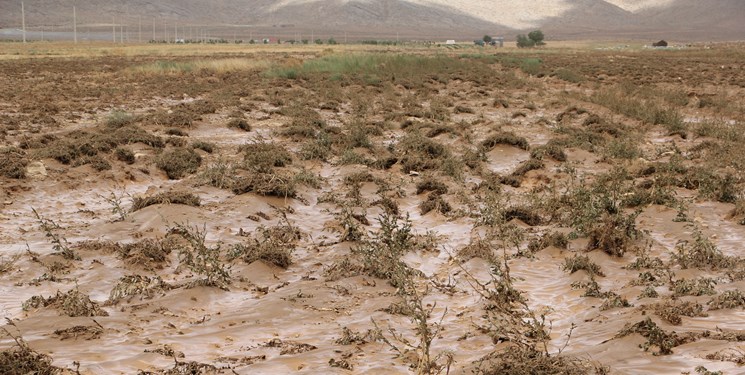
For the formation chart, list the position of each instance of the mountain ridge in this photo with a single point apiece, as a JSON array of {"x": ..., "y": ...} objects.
[{"x": 429, "y": 19}]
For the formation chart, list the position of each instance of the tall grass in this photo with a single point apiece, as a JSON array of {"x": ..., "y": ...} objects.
[
  {"x": 655, "y": 107},
  {"x": 374, "y": 68}
]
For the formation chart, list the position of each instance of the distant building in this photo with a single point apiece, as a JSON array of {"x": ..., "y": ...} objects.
[{"x": 450, "y": 41}]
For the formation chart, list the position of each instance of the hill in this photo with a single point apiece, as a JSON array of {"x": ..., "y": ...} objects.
[{"x": 429, "y": 19}]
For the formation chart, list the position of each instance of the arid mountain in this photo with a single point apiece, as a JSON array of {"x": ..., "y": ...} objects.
[{"x": 577, "y": 19}]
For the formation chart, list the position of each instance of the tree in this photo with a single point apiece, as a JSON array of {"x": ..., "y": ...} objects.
[
  {"x": 524, "y": 42},
  {"x": 487, "y": 39},
  {"x": 537, "y": 37},
  {"x": 534, "y": 38}
]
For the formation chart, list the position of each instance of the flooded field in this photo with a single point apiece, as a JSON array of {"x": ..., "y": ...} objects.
[{"x": 376, "y": 211}]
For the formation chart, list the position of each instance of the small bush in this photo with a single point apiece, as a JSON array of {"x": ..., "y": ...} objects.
[
  {"x": 263, "y": 156},
  {"x": 207, "y": 147},
  {"x": 202, "y": 259},
  {"x": 701, "y": 253},
  {"x": 671, "y": 311},
  {"x": 239, "y": 123},
  {"x": 381, "y": 255},
  {"x": 73, "y": 304},
  {"x": 656, "y": 337},
  {"x": 555, "y": 239},
  {"x": 125, "y": 155},
  {"x": 178, "y": 162},
  {"x": 171, "y": 197},
  {"x": 552, "y": 149},
  {"x": 271, "y": 184},
  {"x": 527, "y": 166},
  {"x": 582, "y": 262},
  {"x": 148, "y": 253},
  {"x": 518, "y": 360},
  {"x": 613, "y": 233},
  {"x": 176, "y": 132},
  {"x": 119, "y": 118},
  {"x": 728, "y": 300},
  {"x": 14, "y": 162},
  {"x": 698, "y": 287},
  {"x": 505, "y": 138},
  {"x": 434, "y": 202},
  {"x": 21, "y": 359},
  {"x": 272, "y": 245},
  {"x": 429, "y": 183}
]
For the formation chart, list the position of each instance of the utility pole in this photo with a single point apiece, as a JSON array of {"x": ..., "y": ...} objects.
[
  {"x": 139, "y": 33},
  {"x": 175, "y": 32},
  {"x": 153, "y": 29},
  {"x": 113, "y": 28},
  {"x": 75, "y": 23},
  {"x": 23, "y": 21}
]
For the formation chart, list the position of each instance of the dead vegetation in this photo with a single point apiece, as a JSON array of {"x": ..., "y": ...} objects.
[
  {"x": 72, "y": 303},
  {"x": 178, "y": 162},
  {"x": 171, "y": 197}
]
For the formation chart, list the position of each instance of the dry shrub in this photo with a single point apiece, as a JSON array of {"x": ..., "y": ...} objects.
[
  {"x": 553, "y": 149},
  {"x": 124, "y": 154},
  {"x": 698, "y": 287},
  {"x": 527, "y": 166},
  {"x": 656, "y": 337},
  {"x": 525, "y": 214},
  {"x": 270, "y": 184},
  {"x": 179, "y": 162},
  {"x": 505, "y": 138},
  {"x": 272, "y": 245},
  {"x": 671, "y": 311},
  {"x": 420, "y": 153},
  {"x": 702, "y": 253},
  {"x": 263, "y": 156},
  {"x": 429, "y": 183},
  {"x": 181, "y": 118},
  {"x": 517, "y": 360},
  {"x": 582, "y": 262},
  {"x": 176, "y": 132},
  {"x": 555, "y": 239},
  {"x": 148, "y": 253},
  {"x": 14, "y": 162},
  {"x": 207, "y": 147},
  {"x": 79, "y": 144},
  {"x": 119, "y": 118},
  {"x": 171, "y": 197},
  {"x": 20, "y": 359},
  {"x": 478, "y": 248},
  {"x": 184, "y": 368},
  {"x": 434, "y": 202},
  {"x": 199, "y": 258},
  {"x": 239, "y": 123},
  {"x": 728, "y": 300},
  {"x": 133, "y": 285},
  {"x": 613, "y": 233},
  {"x": 73, "y": 304},
  {"x": 342, "y": 269}
]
